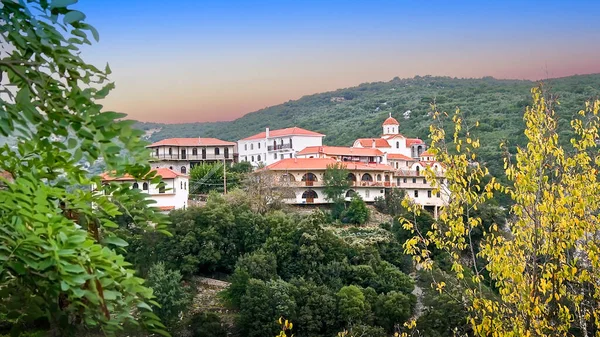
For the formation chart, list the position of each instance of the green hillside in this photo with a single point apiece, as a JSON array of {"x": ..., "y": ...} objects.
[{"x": 346, "y": 114}]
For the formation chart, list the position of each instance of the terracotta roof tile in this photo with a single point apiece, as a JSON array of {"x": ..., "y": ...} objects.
[
  {"x": 294, "y": 131},
  {"x": 398, "y": 156},
  {"x": 341, "y": 151},
  {"x": 368, "y": 142},
  {"x": 391, "y": 121},
  {"x": 303, "y": 164},
  {"x": 192, "y": 142},
  {"x": 165, "y": 173},
  {"x": 166, "y": 208},
  {"x": 411, "y": 141}
]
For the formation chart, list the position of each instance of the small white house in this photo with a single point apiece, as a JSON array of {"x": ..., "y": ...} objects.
[
  {"x": 271, "y": 146},
  {"x": 173, "y": 196}
]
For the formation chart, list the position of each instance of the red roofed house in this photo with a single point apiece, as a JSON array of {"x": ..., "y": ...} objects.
[
  {"x": 345, "y": 154},
  {"x": 272, "y": 145},
  {"x": 392, "y": 142},
  {"x": 181, "y": 154},
  {"x": 305, "y": 175},
  {"x": 173, "y": 196}
]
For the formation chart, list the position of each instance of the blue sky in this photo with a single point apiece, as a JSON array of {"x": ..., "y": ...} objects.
[{"x": 176, "y": 61}]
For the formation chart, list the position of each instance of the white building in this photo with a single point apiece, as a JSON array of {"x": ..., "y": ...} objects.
[
  {"x": 392, "y": 142},
  {"x": 271, "y": 146},
  {"x": 181, "y": 154},
  {"x": 173, "y": 196}
]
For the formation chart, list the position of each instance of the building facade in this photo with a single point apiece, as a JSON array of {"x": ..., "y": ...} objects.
[
  {"x": 174, "y": 195},
  {"x": 181, "y": 154},
  {"x": 270, "y": 146}
]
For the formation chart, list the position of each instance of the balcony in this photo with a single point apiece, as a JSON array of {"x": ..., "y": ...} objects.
[
  {"x": 279, "y": 147},
  {"x": 188, "y": 157}
]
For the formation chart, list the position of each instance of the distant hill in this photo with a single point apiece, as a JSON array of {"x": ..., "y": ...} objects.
[{"x": 346, "y": 114}]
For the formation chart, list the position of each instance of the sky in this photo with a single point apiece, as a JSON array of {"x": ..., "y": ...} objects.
[{"x": 201, "y": 61}]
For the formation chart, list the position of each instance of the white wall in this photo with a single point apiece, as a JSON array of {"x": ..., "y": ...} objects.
[
  {"x": 176, "y": 192},
  {"x": 249, "y": 150}
]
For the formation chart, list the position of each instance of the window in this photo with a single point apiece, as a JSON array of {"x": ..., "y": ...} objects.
[
  {"x": 418, "y": 170},
  {"x": 145, "y": 186},
  {"x": 416, "y": 193},
  {"x": 245, "y": 158},
  {"x": 194, "y": 152},
  {"x": 397, "y": 145},
  {"x": 403, "y": 180},
  {"x": 252, "y": 146},
  {"x": 136, "y": 186},
  {"x": 170, "y": 167},
  {"x": 281, "y": 156},
  {"x": 290, "y": 155},
  {"x": 428, "y": 194},
  {"x": 185, "y": 185},
  {"x": 367, "y": 193},
  {"x": 157, "y": 152},
  {"x": 258, "y": 159},
  {"x": 217, "y": 151},
  {"x": 181, "y": 184},
  {"x": 379, "y": 177},
  {"x": 204, "y": 153},
  {"x": 438, "y": 194},
  {"x": 397, "y": 181},
  {"x": 183, "y": 169},
  {"x": 275, "y": 156},
  {"x": 161, "y": 189},
  {"x": 259, "y": 145},
  {"x": 245, "y": 146},
  {"x": 170, "y": 151},
  {"x": 290, "y": 143},
  {"x": 381, "y": 191},
  {"x": 396, "y": 164},
  {"x": 414, "y": 180},
  {"x": 252, "y": 159},
  {"x": 424, "y": 181}
]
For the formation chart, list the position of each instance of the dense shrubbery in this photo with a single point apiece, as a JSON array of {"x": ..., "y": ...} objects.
[{"x": 286, "y": 265}]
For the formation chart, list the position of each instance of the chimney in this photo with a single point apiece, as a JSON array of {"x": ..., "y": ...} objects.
[
  {"x": 266, "y": 132},
  {"x": 373, "y": 143}
]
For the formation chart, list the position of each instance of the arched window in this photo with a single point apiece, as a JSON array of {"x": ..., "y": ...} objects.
[
  {"x": 136, "y": 186},
  {"x": 258, "y": 157},
  {"x": 379, "y": 177},
  {"x": 366, "y": 177},
  {"x": 145, "y": 186},
  {"x": 309, "y": 194},
  {"x": 287, "y": 177},
  {"x": 183, "y": 169},
  {"x": 418, "y": 170},
  {"x": 161, "y": 189},
  {"x": 194, "y": 152},
  {"x": 351, "y": 177},
  {"x": 387, "y": 177},
  {"x": 350, "y": 193},
  {"x": 170, "y": 167},
  {"x": 397, "y": 145},
  {"x": 309, "y": 177},
  {"x": 217, "y": 151}
]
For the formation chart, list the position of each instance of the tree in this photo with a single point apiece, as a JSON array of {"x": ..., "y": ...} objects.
[
  {"x": 545, "y": 262},
  {"x": 172, "y": 296},
  {"x": 267, "y": 190},
  {"x": 357, "y": 212},
  {"x": 336, "y": 183},
  {"x": 352, "y": 305},
  {"x": 59, "y": 259}
]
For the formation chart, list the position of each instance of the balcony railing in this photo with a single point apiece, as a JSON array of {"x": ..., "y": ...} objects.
[
  {"x": 279, "y": 147},
  {"x": 178, "y": 156}
]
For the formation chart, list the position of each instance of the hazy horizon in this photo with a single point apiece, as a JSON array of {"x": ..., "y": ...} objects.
[{"x": 204, "y": 61}]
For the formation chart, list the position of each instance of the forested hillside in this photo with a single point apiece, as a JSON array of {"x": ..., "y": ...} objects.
[{"x": 347, "y": 114}]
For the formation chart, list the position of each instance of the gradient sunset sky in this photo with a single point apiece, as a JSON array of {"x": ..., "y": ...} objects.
[{"x": 197, "y": 61}]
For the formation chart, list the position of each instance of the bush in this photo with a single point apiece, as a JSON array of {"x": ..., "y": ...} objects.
[
  {"x": 172, "y": 296},
  {"x": 357, "y": 212},
  {"x": 207, "y": 324}
]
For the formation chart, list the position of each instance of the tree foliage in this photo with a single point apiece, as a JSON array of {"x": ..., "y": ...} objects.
[
  {"x": 172, "y": 296},
  {"x": 59, "y": 258},
  {"x": 545, "y": 261},
  {"x": 357, "y": 212}
]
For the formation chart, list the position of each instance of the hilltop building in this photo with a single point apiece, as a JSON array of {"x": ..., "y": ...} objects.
[
  {"x": 271, "y": 146},
  {"x": 374, "y": 165},
  {"x": 173, "y": 196},
  {"x": 181, "y": 154}
]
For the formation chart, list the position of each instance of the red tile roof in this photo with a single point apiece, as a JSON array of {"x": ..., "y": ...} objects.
[
  {"x": 191, "y": 142},
  {"x": 165, "y": 173},
  {"x": 368, "y": 142},
  {"x": 305, "y": 164},
  {"x": 398, "y": 156},
  {"x": 391, "y": 121},
  {"x": 166, "y": 208},
  {"x": 411, "y": 141},
  {"x": 341, "y": 151},
  {"x": 427, "y": 154},
  {"x": 294, "y": 131}
]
